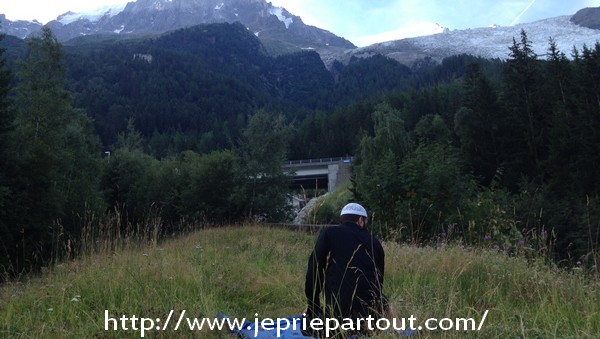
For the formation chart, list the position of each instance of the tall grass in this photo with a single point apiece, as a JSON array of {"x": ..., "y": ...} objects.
[{"x": 249, "y": 269}]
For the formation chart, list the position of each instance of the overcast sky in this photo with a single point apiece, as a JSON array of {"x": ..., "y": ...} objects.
[{"x": 361, "y": 21}]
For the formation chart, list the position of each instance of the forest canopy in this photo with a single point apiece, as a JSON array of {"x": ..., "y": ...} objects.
[{"x": 193, "y": 126}]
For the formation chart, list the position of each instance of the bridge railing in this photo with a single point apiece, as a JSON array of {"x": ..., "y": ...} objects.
[{"x": 317, "y": 161}]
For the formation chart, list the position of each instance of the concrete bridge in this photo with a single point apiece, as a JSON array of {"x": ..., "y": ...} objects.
[{"x": 322, "y": 173}]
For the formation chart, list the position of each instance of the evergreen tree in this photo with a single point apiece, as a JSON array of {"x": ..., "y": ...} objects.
[
  {"x": 562, "y": 135},
  {"x": 525, "y": 113},
  {"x": 586, "y": 94},
  {"x": 5, "y": 113},
  {"x": 54, "y": 174},
  {"x": 479, "y": 124},
  {"x": 6, "y": 236}
]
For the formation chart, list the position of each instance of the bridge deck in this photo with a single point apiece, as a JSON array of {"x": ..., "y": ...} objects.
[
  {"x": 316, "y": 162},
  {"x": 318, "y": 173}
]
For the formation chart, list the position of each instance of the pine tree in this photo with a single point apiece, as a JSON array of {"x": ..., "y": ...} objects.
[
  {"x": 479, "y": 123},
  {"x": 55, "y": 173},
  {"x": 6, "y": 236},
  {"x": 525, "y": 113},
  {"x": 562, "y": 137},
  {"x": 587, "y": 94}
]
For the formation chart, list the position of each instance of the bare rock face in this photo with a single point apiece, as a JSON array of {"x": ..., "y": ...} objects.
[
  {"x": 19, "y": 28},
  {"x": 587, "y": 17},
  {"x": 271, "y": 24},
  {"x": 308, "y": 211}
]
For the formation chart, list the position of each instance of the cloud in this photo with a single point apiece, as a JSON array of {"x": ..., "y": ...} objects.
[
  {"x": 413, "y": 30},
  {"x": 45, "y": 11}
]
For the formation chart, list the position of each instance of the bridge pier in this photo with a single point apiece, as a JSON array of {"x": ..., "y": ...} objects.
[{"x": 319, "y": 173}]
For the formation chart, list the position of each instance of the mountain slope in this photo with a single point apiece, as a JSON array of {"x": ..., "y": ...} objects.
[
  {"x": 19, "y": 28},
  {"x": 486, "y": 42},
  {"x": 280, "y": 30},
  {"x": 202, "y": 79},
  {"x": 587, "y": 17}
]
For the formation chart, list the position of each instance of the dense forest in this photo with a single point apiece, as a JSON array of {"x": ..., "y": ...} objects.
[{"x": 192, "y": 127}]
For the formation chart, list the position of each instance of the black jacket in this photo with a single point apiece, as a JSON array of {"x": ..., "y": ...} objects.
[{"x": 347, "y": 264}]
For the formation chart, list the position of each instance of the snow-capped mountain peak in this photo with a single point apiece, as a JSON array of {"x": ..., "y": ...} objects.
[
  {"x": 491, "y": 42},
  {"x": 280, "y": 13},
  {"x": 271, "y": 23},
  {"x": 92, "y": 15}
]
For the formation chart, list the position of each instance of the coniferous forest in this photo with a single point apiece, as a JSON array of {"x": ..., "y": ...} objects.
[{"x": 192, "y": 127}]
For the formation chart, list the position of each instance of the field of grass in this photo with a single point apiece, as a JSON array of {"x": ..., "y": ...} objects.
[{"x": 246, "y": 270}]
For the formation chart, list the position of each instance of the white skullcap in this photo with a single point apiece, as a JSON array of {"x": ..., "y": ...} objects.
[{"x": 354, "y": 208}]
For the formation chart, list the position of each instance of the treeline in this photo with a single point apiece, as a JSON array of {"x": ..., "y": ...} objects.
[
  {"x": 192, "y": 89},
  {"x": 507, "y": 161},
  {"x": 192, "y": 127},
  {"x": 496, "y": 153},
  {"x": 57, "y": 180}
]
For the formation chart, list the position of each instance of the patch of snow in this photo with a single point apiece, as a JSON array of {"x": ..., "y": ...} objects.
[
  {"x": 494, "y": 42},
  {"x": 308, "y": 48},
  {"x": 118, "y": 31},
  {"x": 219, "y": 6},
  {"x": 144, "y": 57},
  {"x": 92, "y": 15},
  {"x": 278, "y": 12}
]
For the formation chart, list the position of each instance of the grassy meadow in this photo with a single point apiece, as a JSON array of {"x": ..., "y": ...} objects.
[{"x": 245, "y": 270}]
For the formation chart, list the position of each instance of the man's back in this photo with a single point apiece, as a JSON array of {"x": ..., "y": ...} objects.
[{"x": 347, "y": 264}]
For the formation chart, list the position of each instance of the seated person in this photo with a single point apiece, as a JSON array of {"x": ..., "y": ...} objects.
[{"x": 346, "y": 269}]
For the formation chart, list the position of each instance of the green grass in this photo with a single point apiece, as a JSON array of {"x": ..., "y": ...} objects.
[{"x": 246, "y": 270}]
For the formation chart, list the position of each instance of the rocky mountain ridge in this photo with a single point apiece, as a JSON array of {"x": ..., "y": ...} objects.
[
  {"x": 275, "y": 26},
  {"x": 487, "y": 42},
  {"x": 282, "y": 32}
]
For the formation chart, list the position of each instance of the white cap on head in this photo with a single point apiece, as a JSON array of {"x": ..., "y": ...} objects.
[{"x": 354, "y": 208}]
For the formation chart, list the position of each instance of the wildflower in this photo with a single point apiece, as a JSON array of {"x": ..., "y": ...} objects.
[
  {"x": 50, "y": 309},
  {"x": 76, "y": 298},
  {"x": 578, "y": 263},
  {"x": 145, "y": 254},
  {"x": 199, "y": 248},
  {"x": 487, "y": 237},
  {"x": 496, "y": 247},
  {"x": 443, "y": 235},
  {"x": 521, "y": 243}
]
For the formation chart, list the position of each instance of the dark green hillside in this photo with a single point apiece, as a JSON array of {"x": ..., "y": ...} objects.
[
  {"x": 365, "y": 78},
  {"x": 202, "y": 83},
  {"x": 205, "y": 79}
]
